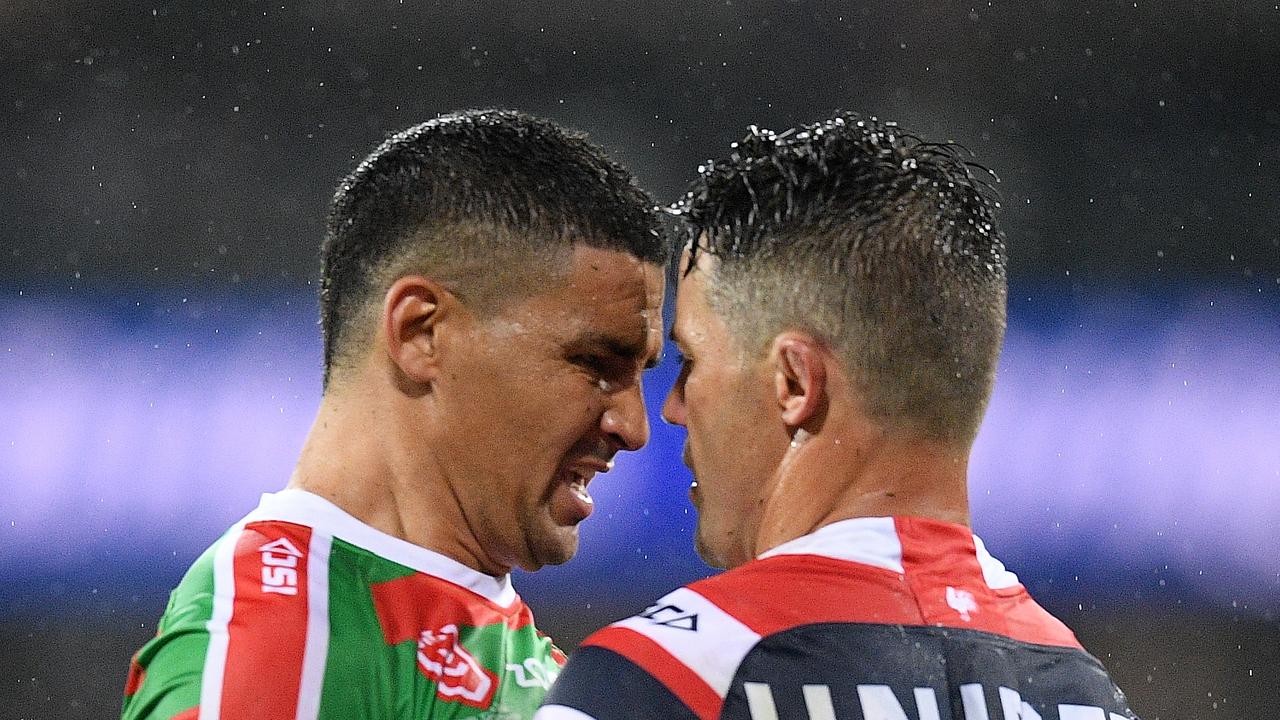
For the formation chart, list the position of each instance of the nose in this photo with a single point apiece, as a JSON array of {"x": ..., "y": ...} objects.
[
  {"x": 625, "y": 420},
  {"x": 673, "y": 409}
]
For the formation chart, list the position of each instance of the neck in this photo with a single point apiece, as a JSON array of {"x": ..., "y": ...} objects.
[
  {"x": 833, "y": 475},
  {"x": 363, "y": 456}
]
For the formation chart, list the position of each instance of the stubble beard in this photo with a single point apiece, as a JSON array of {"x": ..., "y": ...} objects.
[{"x": 548, "y": 543}]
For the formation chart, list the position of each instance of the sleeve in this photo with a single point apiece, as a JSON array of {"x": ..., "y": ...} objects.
[
  {"x": 674, "y": 660},
  {"x": 600, "y": 684},
  {"x": 164, "y": 677},
  {"x": 246, "y": 632}
]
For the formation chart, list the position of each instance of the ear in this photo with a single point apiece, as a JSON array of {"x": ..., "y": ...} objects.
[
  {"x": 411, "y": 312},
  {"x": 800, "y": 377}
]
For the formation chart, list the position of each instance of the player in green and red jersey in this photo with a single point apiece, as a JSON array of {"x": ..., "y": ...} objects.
[
  {"x": 491, "y": 291},
  {"x": 301, "y": 608}
]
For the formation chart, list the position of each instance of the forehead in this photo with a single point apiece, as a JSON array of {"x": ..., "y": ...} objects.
[
  {"x": 604, "y": 292},
  {"x": 602, "y": 280},
  {"x": 691, "y": 298}
]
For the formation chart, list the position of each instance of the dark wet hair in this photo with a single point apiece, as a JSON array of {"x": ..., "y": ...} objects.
[
  {"x": 481, "y": 196},
  {"x": 880, "y": 244}
]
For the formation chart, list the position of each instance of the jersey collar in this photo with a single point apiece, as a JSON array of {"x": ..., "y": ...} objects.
[
  {"x": 876, "y": 541},
  {"x": 306, "y": 508}
]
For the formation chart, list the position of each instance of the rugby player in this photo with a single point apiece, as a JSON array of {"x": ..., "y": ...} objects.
[
  {"x": 840, "y": 309},
  {"x": 491, "y": 291}
]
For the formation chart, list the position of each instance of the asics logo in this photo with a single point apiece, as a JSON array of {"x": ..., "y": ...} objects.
[{"x": 280, "y": 567}]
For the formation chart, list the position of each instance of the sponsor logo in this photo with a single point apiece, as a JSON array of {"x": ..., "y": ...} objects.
[
  {"x": 534, "y": 674},
  {"x": 280, "y": 567},
  {"x": 458, "y": 676},
  {"x": 963, "y": 602},
  {"x": 880, "y": 702},
  {"x": 672, "y": 616}
]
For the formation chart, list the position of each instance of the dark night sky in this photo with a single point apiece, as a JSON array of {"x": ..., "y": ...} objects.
[{"x": 191, "y": 145}]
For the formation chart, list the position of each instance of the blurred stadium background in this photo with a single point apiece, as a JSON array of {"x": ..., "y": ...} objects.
[{"x": 166, "y": 167}]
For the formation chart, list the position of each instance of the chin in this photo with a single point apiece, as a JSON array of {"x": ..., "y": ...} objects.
[
  {"x": 707, "y": 552},
  {"x": 557, "y": 549}
]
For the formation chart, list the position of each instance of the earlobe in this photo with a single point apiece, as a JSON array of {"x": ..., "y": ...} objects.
[
  {"x": 411, "y": 313},
  {"x": 800, "y": 378}
]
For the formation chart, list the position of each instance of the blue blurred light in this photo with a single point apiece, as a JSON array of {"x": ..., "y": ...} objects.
[{"x": 1132, "y": 447}]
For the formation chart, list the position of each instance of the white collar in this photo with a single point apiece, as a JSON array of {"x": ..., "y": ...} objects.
[
  {"x": 306, "y": 508},
  {"x": 874, "y": 541}
]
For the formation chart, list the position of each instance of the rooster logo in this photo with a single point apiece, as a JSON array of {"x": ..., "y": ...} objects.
[{"x": 963, "y": 602}]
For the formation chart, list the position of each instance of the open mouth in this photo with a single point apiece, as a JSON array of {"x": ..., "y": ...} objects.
[
  {"x": 578, "y": 481},
  {"x": 571, "y": 501}
]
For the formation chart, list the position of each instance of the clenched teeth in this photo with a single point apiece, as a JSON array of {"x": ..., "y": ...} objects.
[{"x": 578, "y": 484}]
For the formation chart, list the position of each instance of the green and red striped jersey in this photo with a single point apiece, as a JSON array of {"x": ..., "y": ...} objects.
[{"x": 302, "y": 611}]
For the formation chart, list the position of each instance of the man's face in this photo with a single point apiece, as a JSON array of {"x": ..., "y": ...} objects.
[
  {"x": 736, "y": 438},
  {"x": 537, "y": 399}
]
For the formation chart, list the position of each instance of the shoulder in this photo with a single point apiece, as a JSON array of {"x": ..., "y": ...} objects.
[
  {"x": 682, "y": 652},
  {"x": 680, "y": 655},
  {"x": 777, "y": 593},
  {"x": 241, "y": 620},
  {"x": 270, "y": 572},
  {"x": 685, "y": 639},
  {"x": 261, "y": 563},
  {"x": 674, "y": 659}
]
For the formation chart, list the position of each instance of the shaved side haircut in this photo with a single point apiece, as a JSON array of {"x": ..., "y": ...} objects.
[
  {"x": 488, "y": 202},
  {"x": 880, "y": 244}
]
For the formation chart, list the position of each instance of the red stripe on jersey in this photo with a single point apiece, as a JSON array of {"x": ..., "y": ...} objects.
[
  {"x": 137, "y": 674},
  {"x": 651, "y": 657},
  {"x": 784, "y": 591},
  {"x": 268, "y": 627},
  {"x": 946, "y": 579},
  {"x": 408, "y": 605},
  {"x": 188, "y": 714}
]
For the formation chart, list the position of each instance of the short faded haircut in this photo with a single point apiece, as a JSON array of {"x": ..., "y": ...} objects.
[
  {"x": 488, "y": 202},
  {"x": 881, "y": 245}
]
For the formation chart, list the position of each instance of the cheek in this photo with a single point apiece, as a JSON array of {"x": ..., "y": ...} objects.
[
  {"x": 541, "y": 399},
  {"x": 722, "y": 425},
  {"x": 701, "y": 408},
  {"x": 726, "y": 399},
  {"x": 557, "y": 416},
  {"x": 522, "y": 428}
]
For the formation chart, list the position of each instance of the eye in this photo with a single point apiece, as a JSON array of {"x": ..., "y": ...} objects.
[
  {"x": 685, "y": 368},
  {"x": 610, "y": 371},
  {"x": 590, "y": 362},
  {"x": 597, "y": 365}
]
